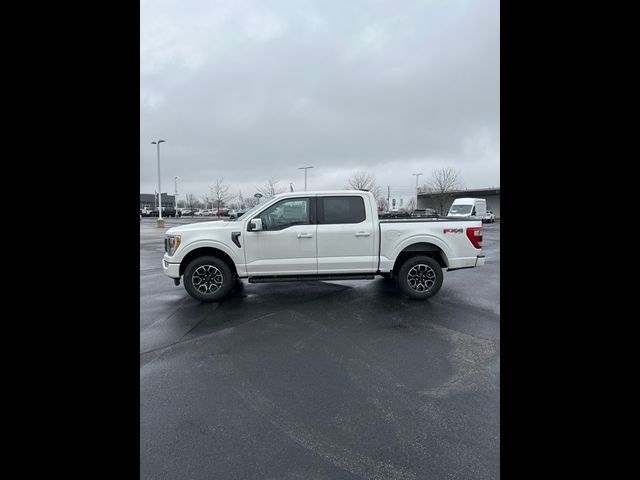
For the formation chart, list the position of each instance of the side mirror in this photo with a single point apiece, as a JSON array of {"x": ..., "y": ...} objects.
[{"x": 255, "y": 225}]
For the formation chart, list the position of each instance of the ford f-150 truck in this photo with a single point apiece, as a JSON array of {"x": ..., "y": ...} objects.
[{"x": 328, "y": 235}]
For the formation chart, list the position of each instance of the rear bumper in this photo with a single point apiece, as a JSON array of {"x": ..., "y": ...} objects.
[
  {"x": 170, "y": 269},
  {"x": 465, "y": 262}
]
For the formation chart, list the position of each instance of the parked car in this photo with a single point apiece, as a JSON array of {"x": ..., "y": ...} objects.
[
  {"x": 186, "y": 211},
  {"x": 489, "y": 217},
  {"x": 281, "y": 240},
  {"x": 235, "y": 214},
  {"x": 424, "y": 212},
  {"x": 395, "y": 214},
  {"x": 166, "y": 212}
]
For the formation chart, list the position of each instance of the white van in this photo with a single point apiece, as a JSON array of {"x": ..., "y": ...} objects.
[{"x": 468, "y": 207}]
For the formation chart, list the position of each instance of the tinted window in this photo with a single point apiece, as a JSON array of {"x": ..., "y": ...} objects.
[
  {"x": 286, "y": 213},
  {"x": 343, "y": 209}
]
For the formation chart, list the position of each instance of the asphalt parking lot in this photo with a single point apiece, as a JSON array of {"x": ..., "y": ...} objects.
[{"x": 320, "y": 380}]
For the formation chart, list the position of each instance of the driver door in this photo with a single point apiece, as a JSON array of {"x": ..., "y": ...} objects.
[{"x": 286, "y": 245}]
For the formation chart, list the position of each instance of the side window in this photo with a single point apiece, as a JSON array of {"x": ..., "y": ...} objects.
[
  {"x": 284, "y": 214},
  {"x": 338, "y": 210}
]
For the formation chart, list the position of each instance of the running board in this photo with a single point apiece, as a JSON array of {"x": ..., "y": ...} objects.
[{"x": 316, "y": 278}]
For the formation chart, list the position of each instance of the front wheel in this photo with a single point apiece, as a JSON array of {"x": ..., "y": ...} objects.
[
  {"x": 420, "y": 277},
  {"x": 208, "y": 279}
]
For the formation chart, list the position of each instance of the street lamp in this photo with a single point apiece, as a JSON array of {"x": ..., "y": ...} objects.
[
  {"x": 175, "y": 196},
  {"x": 305, "y": 176},
  {"x": 417, "y": 175},
  {"x": 160, "y": 221}
]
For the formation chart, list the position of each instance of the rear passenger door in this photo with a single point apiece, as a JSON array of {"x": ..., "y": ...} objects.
[{"x": 345, "y": 235}]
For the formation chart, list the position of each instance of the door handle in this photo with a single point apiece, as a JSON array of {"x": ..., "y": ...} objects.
[
  {"x": 363, "y": 234},
  {"x": 304, "y": 235}
]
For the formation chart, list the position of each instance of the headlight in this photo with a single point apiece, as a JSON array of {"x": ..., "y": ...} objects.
[{"x": 171, "y": 244}]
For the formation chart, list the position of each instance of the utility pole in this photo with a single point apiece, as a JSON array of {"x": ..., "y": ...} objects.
[
  {"x": 417, "y": 175},
  {"x": 305, "y": 176},
  {"x": 175, "y": 195},
  {"x": 388, "y": 198}
]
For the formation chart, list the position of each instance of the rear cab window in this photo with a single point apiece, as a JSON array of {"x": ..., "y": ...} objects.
[{"x": 341, "y": 210}]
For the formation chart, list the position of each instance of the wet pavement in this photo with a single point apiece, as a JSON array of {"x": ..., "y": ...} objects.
[{"x": 320, "y": 380}]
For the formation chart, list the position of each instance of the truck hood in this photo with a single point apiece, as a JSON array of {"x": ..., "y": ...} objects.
[{"x": 199, "y": 226}]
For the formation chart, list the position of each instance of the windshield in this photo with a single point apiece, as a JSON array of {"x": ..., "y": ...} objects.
[
  {"x": 248, "y": 212},
  {"x": 460, "y": 210}
]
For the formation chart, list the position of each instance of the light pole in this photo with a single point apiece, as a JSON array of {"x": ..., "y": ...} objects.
[
  {"x": 175, "y": 195},
  {"x": 417, "y": 175},
  {"x": 160, "y": 221},
  {"x": 305, "y": 176}
]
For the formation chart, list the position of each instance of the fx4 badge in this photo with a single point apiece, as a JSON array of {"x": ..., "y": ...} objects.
[{"x": 452, "y": 230}]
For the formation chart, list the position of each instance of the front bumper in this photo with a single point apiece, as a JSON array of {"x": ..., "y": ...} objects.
[{"x": 170, "y": 269}]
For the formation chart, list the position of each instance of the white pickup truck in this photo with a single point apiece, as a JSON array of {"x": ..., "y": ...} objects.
[{"x": 328, "y": 235}]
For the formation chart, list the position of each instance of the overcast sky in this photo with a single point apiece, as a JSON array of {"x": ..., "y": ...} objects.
[{"x": 254, "y": 89}]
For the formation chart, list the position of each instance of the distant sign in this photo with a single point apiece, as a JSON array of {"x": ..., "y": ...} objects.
[{"x": 258, "y": 195}]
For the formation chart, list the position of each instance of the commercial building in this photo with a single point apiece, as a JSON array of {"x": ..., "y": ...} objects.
[
  {"x": 433, "y": 200},
  {"x": 150, "y": 200}
]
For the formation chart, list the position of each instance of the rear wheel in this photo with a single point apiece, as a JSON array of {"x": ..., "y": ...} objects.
[
  {"x": 420, "y": 277},
  {"x": 208, "y": 279}
]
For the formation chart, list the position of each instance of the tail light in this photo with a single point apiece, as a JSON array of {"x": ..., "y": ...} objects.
[{"x": 475, "y": 235}]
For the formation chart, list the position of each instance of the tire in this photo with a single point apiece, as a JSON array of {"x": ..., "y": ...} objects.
[
  {"x": 208, "y": 279},
  {"x": 426, "y": 271}
]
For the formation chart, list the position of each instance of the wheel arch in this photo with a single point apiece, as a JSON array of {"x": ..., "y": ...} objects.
[
  {"x": 421, "y": 248},
  {"x": 207, "y": 251}
]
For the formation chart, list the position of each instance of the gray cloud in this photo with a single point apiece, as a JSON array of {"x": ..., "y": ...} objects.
[{"x": 253, "y": 89}]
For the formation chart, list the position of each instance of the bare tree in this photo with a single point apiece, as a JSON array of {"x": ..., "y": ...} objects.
[
  {"x": 190, "y": 200},
  {"x": 270, "y": 188},
  {"x": 442, "y": 183},
  {"x": 219, "y": 192},
  {"x": 411, "y": 205},
  {"x": 250, "y": 202},
  {"x": 363, "y": 181},
  {"x": 383, "y": 204},
  {"x": 206, "y": 200}
]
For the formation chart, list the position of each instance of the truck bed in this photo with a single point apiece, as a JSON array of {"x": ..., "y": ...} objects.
[{"x": 445, "y": 235}]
